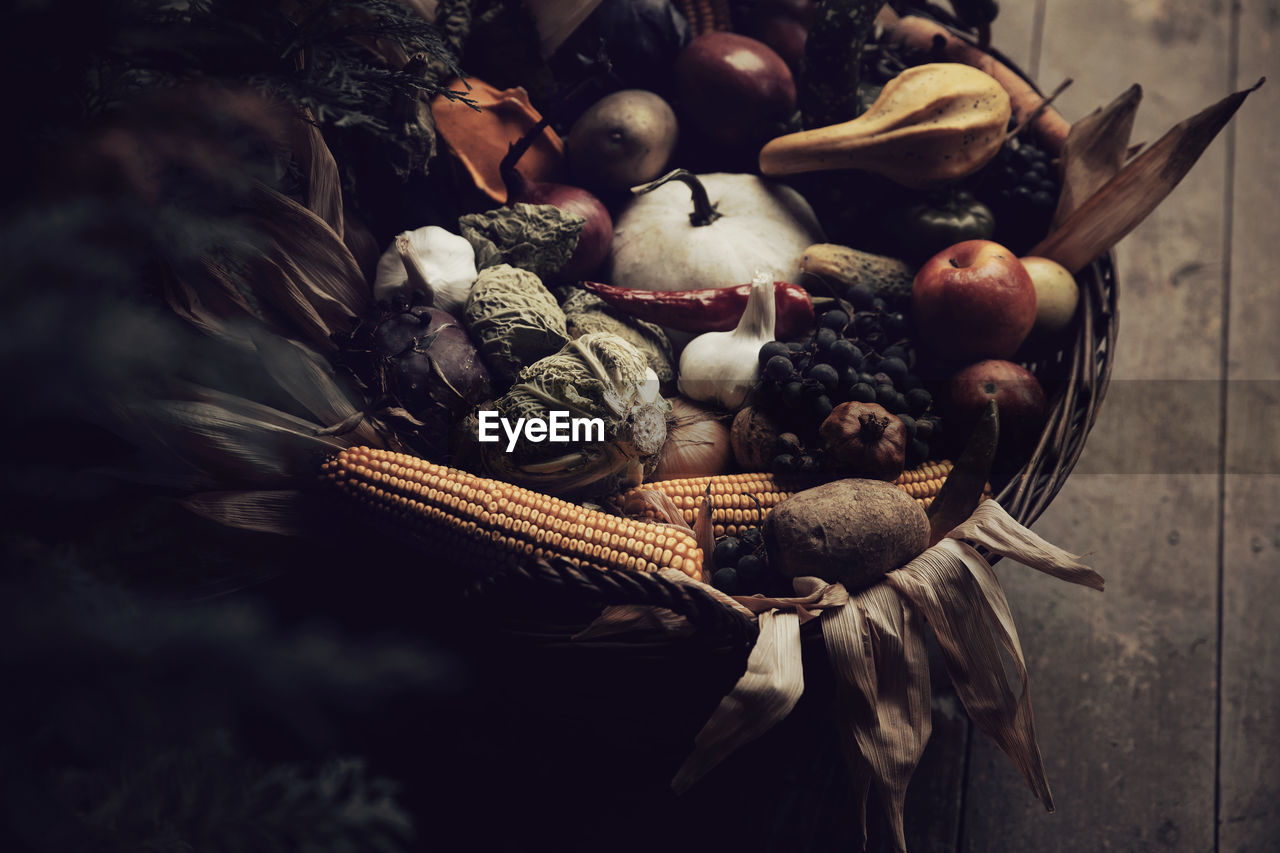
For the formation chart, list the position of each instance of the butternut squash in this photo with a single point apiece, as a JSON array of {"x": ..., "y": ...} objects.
[{"x": 931, "y": 124}]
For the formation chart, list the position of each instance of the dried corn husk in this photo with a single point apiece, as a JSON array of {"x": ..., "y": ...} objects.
[
  {"x": 1095, "y": 149},
  {"x": 875, "y": 644},
  {"x": 1124, "y": 201}
]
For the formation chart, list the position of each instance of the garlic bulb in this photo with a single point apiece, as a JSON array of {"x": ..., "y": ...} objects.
[
  {"x": 721, "y": 367},
  {"x": 446, "y": 262}
]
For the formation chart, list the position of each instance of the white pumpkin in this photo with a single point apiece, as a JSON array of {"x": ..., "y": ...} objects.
[{"x": 762, "y": 226}]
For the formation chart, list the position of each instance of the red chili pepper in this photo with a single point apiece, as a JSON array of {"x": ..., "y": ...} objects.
[{"x": 715, "y": 309}]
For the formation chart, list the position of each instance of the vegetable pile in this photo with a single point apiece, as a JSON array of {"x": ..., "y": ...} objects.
[{"x": 832, "y": 262}]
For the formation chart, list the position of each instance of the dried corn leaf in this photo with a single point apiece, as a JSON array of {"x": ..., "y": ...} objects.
[
  {"x": 765, "y": 694},
  {"x": 1096, "y": 147},
  {"x": 307, "y": 377},
  {"x": 298, "y": 278},
  {"x": 319, "y": 284},
  {"x": 654, "y": 505},
  {"x": 993, "y": 528},
  {"x": 962, "y": 491},
  {"x": 1124, "y": 201},
  {"x": 620, "y": 620},
  {"x": 225, "y": 440},
  {"x": 876, "y": 648},
  {"x": 324, "y": 186},
  {"x": 941, "y": 584},
  {"x": 277, "y": 511}
]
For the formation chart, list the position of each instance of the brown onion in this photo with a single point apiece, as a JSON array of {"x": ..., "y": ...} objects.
[{"x": 697, "y": 443}]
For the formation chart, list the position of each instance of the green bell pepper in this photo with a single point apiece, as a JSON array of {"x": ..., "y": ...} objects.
[{"x": 922, "y": 230}]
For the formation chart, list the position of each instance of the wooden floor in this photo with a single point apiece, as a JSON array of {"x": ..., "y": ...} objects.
[{"x": 1158, "y": 701}]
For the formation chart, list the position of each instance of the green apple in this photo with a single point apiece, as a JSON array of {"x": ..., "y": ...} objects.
[{"x": 1056, "y": 294}]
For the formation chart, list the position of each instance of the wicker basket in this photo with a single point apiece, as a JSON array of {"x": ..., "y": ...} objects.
[{"x": 623, "y": 712}]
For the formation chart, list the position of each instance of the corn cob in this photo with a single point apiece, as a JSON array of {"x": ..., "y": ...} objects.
[
  {"x": 705, "y": 15},
  {"x": 734, "y": 497},
  {"x": 483, "y": 522}
]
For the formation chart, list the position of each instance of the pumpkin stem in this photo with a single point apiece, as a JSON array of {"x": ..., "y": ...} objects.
[
  {"x": 511, "y": 179},
  {"x": 704, "y": 212}
]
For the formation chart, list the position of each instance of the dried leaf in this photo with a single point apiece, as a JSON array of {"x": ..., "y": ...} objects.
[
  {"x": 265, "y": 511},
  {"x": 940, "y": 582},
  {"x": 622, "y": 619},
  {"x": 962, "y": 491},
  {"x": 1127, "y": 199},
  {"x": 307, "y": 377},
  {"x": 219, "y": 440},
  {"x": 877, "y": 652},
  {"x": 764, "y": 695},
  {"x": 651, "y": 503},
  {"x": 704, "y": 533},
  {"x": 1096, "y": 148},
  {"x": 324, "y": 186},
  {"x": 993, "y": 528}
]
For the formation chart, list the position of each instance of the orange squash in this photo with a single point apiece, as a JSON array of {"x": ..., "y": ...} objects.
[{"x": 480, "y": 139}]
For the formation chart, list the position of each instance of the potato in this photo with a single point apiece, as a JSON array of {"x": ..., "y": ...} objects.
[{"x": 851, "y": 531}]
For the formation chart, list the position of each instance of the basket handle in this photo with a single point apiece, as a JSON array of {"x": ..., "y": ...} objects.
[{"x": 618, "y": 586}]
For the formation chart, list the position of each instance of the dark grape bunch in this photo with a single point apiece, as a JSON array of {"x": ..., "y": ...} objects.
[
  {"x": 1020, "y": 185},
  {"x": 865, "y": 358},
  {"x": 742, "y": 566}
]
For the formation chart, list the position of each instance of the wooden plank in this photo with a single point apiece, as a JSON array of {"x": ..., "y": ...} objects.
[
  {"x": 1124, "y": 682},
  {"x": 1249, "y": 774}
]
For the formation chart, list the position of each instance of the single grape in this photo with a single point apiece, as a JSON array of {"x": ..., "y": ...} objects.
[
  {"x": 779, "y": 368},
  {"x": 789, "y": 442},
  {"x": 821, "y": 406},
  {"x": 865, "y": 324},
  {"x": 825, "y": 337},
  {"x": 924, "y": 428},
  {"x": 886, "y": 395},
  {"x": 862, "y": 393},
  {"x": 835, "y": 319},
  {"x": 882, "y": 378},
  {"x": 909, "y": 423},
  {"x": 792, "y": 393},
  {"x": 878, "y": 304},
  {"x": 784, "y": 463},
  {"x": 918, "y": 401},
  {"x": 845, "y": 353},
  {"x": 867, "y": 379},
  {"x": 771, "y": 349},
  {"x": 896, "y": 351},
  {"x": 894, "y": 368},
  {"x": 752, "y": 540},
  {"x": 726, "y": 580},
  {"x": 727, "y": 551},
  {"x": 860, "y": 296},
  {"x": 826, "y": 374},
  {"x": 752, "y": 571}
]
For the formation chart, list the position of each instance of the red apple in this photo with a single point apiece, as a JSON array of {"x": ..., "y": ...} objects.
[
  {"x": 734, "y": 89},
  {"x": 973, "y": 300},
  {"x": 1018, "y": 395}
]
